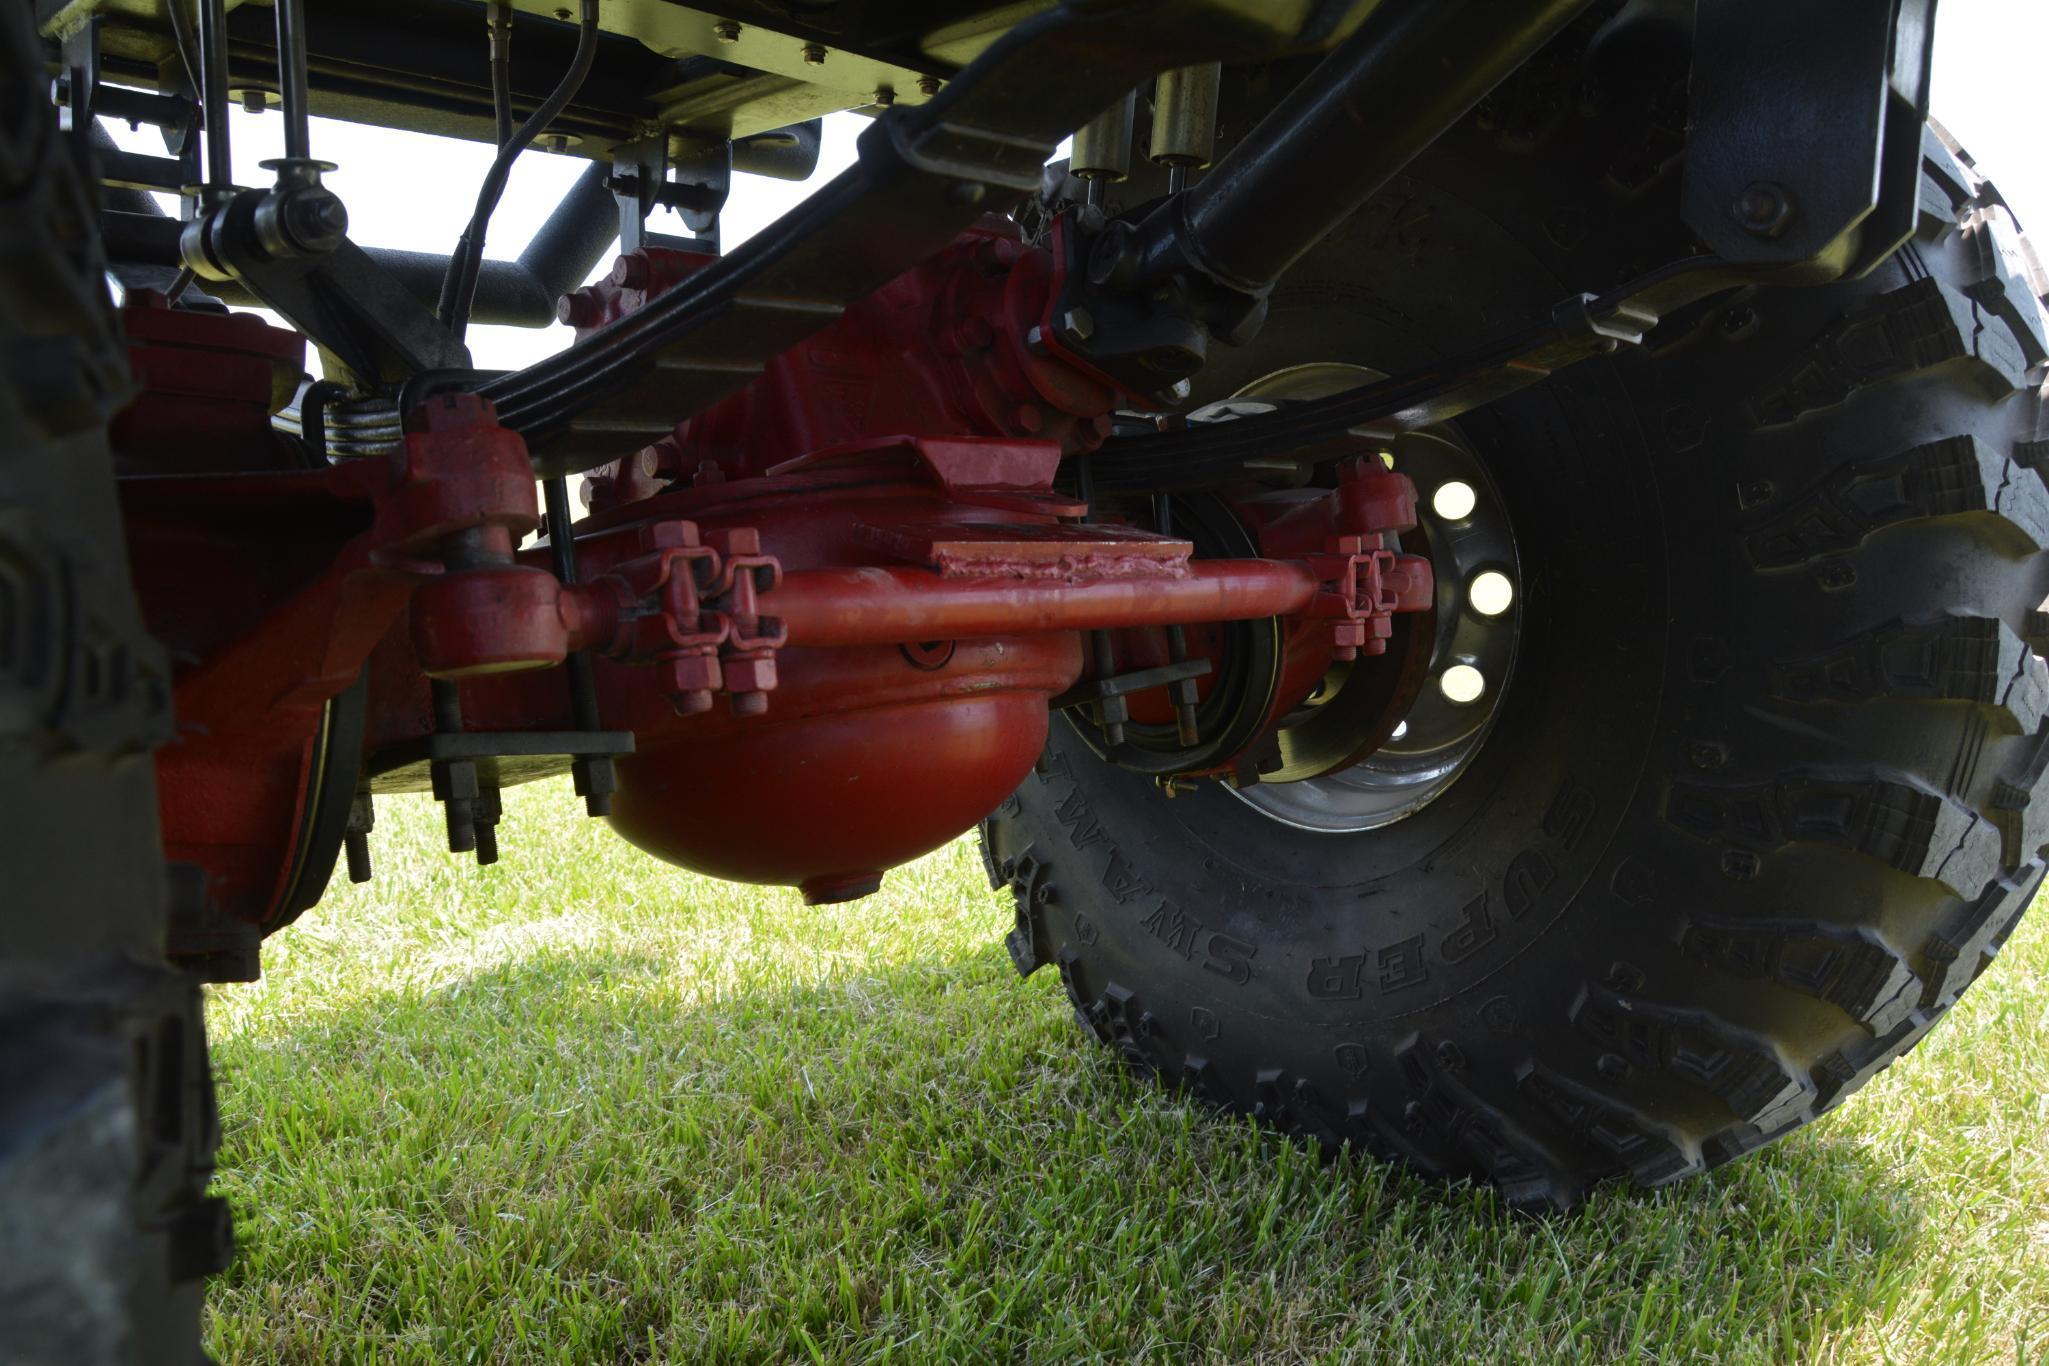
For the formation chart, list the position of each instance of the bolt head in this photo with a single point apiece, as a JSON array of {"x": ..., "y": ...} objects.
[
  {"x": 315, "y": 220},
  {"x": 1078, "y": 324},
  {"x": 631, "y": 271},
  {"x": 726, "y": 31},
  {"x": 814, "y": 54},
  {"x": 577, "y": 309},
  {"x": 748, "y": 676},
  {"x": 689, "y": 673},
  {"x": 1764, "y": 209}
]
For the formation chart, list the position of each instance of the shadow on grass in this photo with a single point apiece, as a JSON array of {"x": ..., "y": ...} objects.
[{"x": 567, "y": 1158}]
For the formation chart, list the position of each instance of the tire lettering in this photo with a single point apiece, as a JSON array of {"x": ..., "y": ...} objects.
[
  {"x": 1230, "y": 959},
  {"x": 1473, "y": 933},
  {"x": 1572, "y": 811},
  {"x": 1120, "y": 879},
  {"x": 1336, "y": 979},
  {"x": 1174, "y": 928},
  {"x": 1401, "y": 965},
  {"x": 1083, "y": 829},
  {"x": 1529, "y": 873}
]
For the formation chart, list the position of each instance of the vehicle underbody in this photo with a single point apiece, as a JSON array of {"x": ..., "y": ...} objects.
[{"x": 991, "y": 467}]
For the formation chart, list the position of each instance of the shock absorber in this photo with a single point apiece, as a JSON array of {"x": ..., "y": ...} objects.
[
  {"x": 1102, "y": 147},
  {"x": 1184, "y": 131}
]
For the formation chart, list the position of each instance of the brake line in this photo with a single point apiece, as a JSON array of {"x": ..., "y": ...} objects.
[
  {"x": 498, "y": 21},
  {"x": 459, "y": 286}
]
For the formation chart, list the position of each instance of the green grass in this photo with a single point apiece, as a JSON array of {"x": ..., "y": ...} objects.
[{"x": 584, "y": 1107}]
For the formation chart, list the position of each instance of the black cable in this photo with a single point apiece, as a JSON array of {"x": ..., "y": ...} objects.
[
  {"x": 459, "y": 287},
  {"x": 499, "y": 19}
]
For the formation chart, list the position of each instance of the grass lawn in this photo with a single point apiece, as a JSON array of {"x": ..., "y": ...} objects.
[{"x": 584, "y": 1107}]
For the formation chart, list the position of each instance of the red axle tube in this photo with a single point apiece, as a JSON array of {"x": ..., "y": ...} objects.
[{"x": 875, "y": 606}]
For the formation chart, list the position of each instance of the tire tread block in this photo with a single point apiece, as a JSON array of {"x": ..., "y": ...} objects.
[
  {"x": 1956, "y": 476},
  {"x": 1900, "y": 822}
]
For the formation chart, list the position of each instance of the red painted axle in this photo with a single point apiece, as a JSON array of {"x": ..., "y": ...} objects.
[{"x": 880, "y": 606}]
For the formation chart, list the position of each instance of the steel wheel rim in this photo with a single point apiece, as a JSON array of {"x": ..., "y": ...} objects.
[{"x": 1480, "y": 607}]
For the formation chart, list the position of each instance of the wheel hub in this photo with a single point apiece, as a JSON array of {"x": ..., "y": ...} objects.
[{"x": 1432, "y": 714}]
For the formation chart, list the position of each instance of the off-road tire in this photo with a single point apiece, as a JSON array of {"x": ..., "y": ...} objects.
[
  {"x": 1764, "y": 793},
  {"x": 107, "y": 1121}
]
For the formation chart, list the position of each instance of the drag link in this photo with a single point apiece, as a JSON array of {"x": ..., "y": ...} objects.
[{"x": 876, "y": 606}]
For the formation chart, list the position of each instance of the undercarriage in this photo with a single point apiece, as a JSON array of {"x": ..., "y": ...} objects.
[{"x": 1329, "y": 487}]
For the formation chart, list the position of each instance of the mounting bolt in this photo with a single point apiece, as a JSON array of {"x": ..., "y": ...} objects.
[
  {"x": 487, "y": 814},
  {"x": 310, "y": 220},
  {"x": 1179, "y": 390},
  {"x": 1764, "y": 209},
  {"x": 885, "y": 97},
  {"x": 631, "y": 271},
  {"x": 362, "y": 820},
  {"x": 928, "y": 86},
  {"x": 690, "y": 679},
  {"x": 597, "y": 778},
  {"x": 748, "y": 680},
  {"x": 726, "y": 31},
  {"x": 455, "y": 787},
  {"x": 577, "y": 309},
  {"x": 254, "y": 102},
  {"x": 1077, "y": 324},
  {"x": 814, "y": 54}
]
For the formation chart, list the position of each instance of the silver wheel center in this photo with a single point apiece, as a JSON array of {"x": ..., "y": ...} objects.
[{"x": 1479, "y": 611}]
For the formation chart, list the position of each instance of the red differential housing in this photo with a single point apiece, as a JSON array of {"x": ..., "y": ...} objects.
[{"x": 817, "y": 631}]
